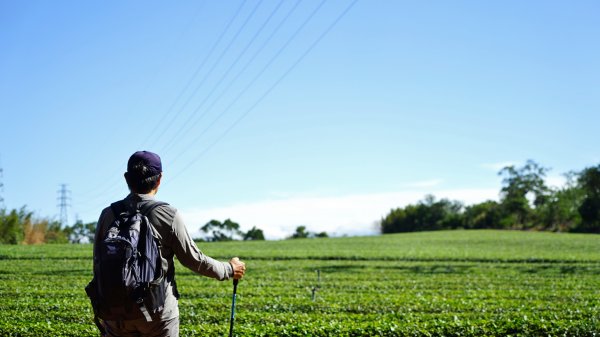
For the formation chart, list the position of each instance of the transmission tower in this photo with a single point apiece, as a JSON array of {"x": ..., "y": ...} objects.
[{"x": 63, "y": 204}]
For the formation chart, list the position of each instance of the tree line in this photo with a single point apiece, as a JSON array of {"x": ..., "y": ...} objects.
[
  {"x": 228, "y": 230},
  {"x": 526, "y": 203},
  {"x": 21, "y": 227}
]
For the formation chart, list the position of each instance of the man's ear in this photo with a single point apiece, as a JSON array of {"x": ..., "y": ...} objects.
[{"x": 126, "y": 179}]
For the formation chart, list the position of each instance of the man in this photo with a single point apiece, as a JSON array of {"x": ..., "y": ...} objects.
[{"x": 143, "y": 177}]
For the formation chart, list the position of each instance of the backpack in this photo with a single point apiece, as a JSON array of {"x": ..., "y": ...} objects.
[{"x": 129, "y": 282}]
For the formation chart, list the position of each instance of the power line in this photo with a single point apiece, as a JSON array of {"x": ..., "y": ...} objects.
[
  {"x": 98, "y": 201},
  {"x": 117, "y": 180},
  {"x": 152, "y": 134},
  {"x": 161, "y": 65},
  {"x": 223, "y": 76},
  {"x": 257, "y": 102},
  {"x": 251, "y": 83},
  {"x": 266, "y": 93},
  {"x": 244, "y": 68},
  {"x": 189, "y": 82}
]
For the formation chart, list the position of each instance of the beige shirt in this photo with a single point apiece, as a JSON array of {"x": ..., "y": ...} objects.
[{"x": 175, "y": 241}]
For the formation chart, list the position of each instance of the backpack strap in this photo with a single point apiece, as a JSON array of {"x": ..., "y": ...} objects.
[
  {"x": 148, "y": 206},
  {"x": 145, "y": 208}
]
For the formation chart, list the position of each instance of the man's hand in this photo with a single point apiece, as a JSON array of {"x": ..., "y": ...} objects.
[{"x": 239, "y": 268}]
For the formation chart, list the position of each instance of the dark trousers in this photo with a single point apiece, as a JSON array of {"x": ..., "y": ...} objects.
[{"x": 142, "y": 328}]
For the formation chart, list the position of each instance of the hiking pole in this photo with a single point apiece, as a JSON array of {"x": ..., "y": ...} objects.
[{"x": 235, "y": 283}]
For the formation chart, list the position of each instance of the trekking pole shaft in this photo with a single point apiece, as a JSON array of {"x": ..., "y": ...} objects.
[{"x": 231, "y": 319}]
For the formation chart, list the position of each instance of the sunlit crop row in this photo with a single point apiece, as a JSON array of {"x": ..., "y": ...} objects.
[{"x": 467, "y": 283}]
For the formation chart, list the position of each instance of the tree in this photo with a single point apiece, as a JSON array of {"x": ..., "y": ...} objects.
[
  {"x": 426, "y": 215},
  {"x": 526, "y": 202},
  {"x": 80, "y": 232},
  {"x": 442, "y": 214},
  {"x": 222, "y": 231},
  {"x": 396, "y": 222},
  {"x": 589, "y": 210},
  {"x": 55, "y": 233},
  {"x": 301, "y": 233},
  {"x": 321, "y": 235},
  {"x": 561, "y": 210},
  {"x": 12, "y": 225},
  {"x": 254, "y": 234},
  {"x": 519, "y": 184},
  {"x": 483, "y": 215}
]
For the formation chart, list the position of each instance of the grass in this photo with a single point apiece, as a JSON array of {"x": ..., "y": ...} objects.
[{"x": 452, "y": 283}]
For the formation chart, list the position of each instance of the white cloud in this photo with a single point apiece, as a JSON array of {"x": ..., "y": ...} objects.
[
  {"x": 556, "y": 181},
  {"x": 496, "y": 167},
  {"x": 336, "y": 215},
  {"x": 426, "y": 183}
]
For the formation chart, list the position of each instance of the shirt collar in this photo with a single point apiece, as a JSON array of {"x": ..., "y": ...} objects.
[{"x": 140, "y": 197}]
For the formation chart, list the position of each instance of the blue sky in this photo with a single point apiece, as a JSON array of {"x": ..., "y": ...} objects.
[{"x": 282, "y": 113}]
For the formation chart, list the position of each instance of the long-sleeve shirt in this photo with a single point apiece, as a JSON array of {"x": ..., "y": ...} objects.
[{"x": 175, "y": 241}]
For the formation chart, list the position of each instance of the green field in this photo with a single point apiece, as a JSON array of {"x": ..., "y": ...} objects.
[{"x": 459, "y": 283}]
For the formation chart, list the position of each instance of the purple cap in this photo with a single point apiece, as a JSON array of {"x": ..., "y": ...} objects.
[{"x": 149, "y": 159}]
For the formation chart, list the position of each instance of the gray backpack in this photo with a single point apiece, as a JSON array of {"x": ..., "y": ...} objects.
[{"x": 128, "y": 282}]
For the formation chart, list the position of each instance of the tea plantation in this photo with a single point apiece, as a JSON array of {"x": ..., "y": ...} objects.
[{"x": 451, "y": 283}]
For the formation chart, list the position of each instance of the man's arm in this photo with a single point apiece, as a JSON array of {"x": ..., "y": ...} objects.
[{"x": 190, "y": 256}]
